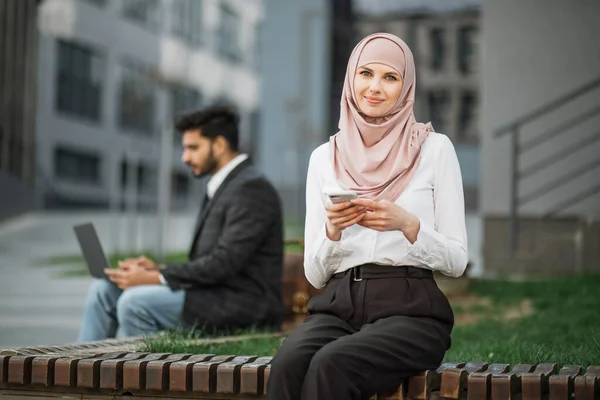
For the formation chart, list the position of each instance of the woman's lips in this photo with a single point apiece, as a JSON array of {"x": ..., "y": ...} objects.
[{"x": 373, "y": 100}]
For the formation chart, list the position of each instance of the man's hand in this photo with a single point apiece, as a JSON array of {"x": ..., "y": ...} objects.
[
  {"x": 340, "y": 216},
  {"x": 141, "y": 261},
  {"x": 384, "y": 216},
  {"x": 131, "y": 274}
]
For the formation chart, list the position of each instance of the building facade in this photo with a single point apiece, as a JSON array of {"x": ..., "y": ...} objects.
[
  {"x": 540, "y": 142},
  {"x": 18, "y": 72},
  {"x": 445, "y": 41},
  {"x": 113, "y": 74},
  {"x": 296, "y": 84}
]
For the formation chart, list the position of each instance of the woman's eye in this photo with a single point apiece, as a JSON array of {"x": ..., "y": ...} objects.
[
  {"x": 391, "y": 78},
  {"x": 365, "y": 73}
]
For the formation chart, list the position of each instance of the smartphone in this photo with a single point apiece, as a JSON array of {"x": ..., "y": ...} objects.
[{"x": 341, "y": 196}]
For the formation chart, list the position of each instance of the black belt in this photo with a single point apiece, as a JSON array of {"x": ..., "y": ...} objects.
[
  {"x": 374, "y": 271},
  {"x": 342, "y": 303}
]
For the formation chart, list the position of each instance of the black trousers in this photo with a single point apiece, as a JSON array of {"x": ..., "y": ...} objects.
[{"x": 370, "y": 328}]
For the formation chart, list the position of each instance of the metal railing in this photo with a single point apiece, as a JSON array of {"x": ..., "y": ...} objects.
[{"x": 518, "y": 149}]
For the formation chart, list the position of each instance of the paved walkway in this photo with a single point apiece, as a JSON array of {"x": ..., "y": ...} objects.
[{"x": 36, "y": 306}]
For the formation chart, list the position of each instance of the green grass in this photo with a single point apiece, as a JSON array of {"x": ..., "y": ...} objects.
[
  {"x": 564, "y": 327},
  {"x": 183, "y": 343},
  {"x": 74, "y": 265}
]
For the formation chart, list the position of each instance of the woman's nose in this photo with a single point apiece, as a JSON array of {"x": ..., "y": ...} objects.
[{"x": 375, "y": 86}]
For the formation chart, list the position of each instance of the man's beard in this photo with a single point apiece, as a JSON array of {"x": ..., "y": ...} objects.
[{"x": 209, "y": 167}]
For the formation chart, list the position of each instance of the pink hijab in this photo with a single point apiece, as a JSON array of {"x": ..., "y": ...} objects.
[{"x": 378, "y": 160}]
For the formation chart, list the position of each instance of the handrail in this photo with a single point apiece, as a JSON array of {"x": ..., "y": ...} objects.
[
  {"x": 551, "y": 106},
  {"x": 560, "y": 181},
  {"x": 518, "y": 148},
  {"x": 579, "y": 197},
  {"x": 564, "y": 153},
  {"x": 556, "y": 131}
]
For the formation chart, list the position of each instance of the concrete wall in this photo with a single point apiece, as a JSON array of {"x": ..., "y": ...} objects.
[
  {"x": 295, "y": 87},
  {"x": 535, "y": 51}
]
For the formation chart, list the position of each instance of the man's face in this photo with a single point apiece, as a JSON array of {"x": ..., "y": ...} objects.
[{"x": 198, "y": 153}]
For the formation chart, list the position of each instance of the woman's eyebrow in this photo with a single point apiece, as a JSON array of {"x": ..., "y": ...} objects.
[{"x": 366, "y": 69}]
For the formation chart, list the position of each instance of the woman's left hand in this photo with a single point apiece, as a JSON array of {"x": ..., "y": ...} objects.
[{"x": 384, "y": 215}]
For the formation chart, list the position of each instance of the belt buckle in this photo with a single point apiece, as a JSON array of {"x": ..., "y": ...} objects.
[{"x": 355, "y": 273}]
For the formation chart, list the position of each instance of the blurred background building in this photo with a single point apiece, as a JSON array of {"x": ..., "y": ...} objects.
[
  {"x": 515, "y": 86},
  {"x": 114, "y": 73}
]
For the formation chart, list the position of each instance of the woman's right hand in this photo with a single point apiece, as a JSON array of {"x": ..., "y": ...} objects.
[{"x": 340, "y": 216}]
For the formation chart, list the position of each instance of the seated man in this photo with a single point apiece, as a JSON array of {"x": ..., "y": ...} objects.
[{"x": 233, "y": 277}]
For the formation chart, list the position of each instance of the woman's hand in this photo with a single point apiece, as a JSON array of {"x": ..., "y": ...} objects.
[
  {"x": 340, "y": 216},
  {"x": 384, "y": 215}
]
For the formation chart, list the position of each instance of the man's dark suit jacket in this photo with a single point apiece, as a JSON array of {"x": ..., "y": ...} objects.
[{"x": 233, "y": 277}]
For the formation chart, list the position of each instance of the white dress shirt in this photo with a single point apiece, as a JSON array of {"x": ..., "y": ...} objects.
[
  {"x": 219, "y": 177},
  {"x": 214, "y": 183},
  {"x": 434, "y": 195}
]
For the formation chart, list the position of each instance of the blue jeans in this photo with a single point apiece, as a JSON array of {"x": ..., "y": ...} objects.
[{"x": 137, "y": 311}]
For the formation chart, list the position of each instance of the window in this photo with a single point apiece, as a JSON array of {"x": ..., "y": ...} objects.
[
  {"x": 144, "y": 12},
  {"x": 468, "y": 117},
  {"x": 145, "y": 177},
  {"x": 99, "y": 3},
  {"x": 184, "y": 99},
  {"x": 228, "y": 35},
  {"x": 76, "y": 166},
  {"x": 136, "y": 101},
  {"x": 468, "y": 46},
  {"x": 186, "y": 22},
  {"x": 79, "y": 80},
  {"x": 180, "y": 185},
  {"x": 438, "y": 103},
  {"x": 437, "y": 49}
]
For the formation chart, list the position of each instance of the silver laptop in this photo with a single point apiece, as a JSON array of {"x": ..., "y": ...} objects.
[{"x": 92, "y": 250}]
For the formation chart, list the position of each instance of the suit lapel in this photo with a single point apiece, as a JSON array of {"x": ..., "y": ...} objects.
[
  {"x": 203, "y": 204},
  {"x": 206, "y": 207}
]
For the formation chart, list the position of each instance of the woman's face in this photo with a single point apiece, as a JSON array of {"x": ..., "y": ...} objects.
[{"x": 376, "y": 89}]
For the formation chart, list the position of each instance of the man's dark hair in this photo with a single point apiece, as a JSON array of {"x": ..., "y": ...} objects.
[{"x": 213, "y": 121}]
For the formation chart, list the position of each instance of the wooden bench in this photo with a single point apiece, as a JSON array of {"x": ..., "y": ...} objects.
[{"x": 52, "y": 373}]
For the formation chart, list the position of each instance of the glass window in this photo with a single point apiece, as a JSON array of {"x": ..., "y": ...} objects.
[
  {"x": 145, "y": 176},
  {"x": 79, "y": 80},
  {"x": 468, "y": 49},
  {"x": 468, "y": 118},
  {"x": 186, "y": 21},
  {"x": 438, "y": 103},
  {"x": 145, "y": 12},
  {"x": 76, "y": 166},
  {"x": 99, "y": 3},
  {"x": 228, "y": 35},
  {"x": 437, "y": 48},
  {"x": 136, "y": 101},
  {"x": 184, "y": 99},
  {"x": 180, "y": 185}
]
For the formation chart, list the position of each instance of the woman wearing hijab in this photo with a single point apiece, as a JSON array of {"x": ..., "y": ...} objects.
[{"x": 381, "y": 316}]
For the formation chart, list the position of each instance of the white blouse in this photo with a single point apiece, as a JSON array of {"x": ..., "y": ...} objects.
[{"x": 434, "y": 195}]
